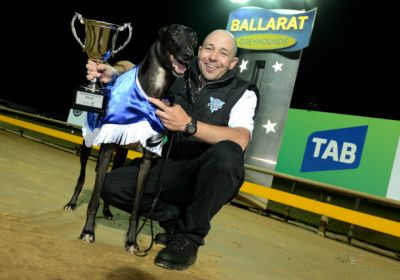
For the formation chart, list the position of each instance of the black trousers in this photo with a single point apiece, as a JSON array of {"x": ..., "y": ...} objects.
[{"x": 193, "y": 190}]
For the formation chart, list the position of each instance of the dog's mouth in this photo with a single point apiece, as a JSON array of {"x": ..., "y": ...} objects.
[{"x": 178, "y": 67}]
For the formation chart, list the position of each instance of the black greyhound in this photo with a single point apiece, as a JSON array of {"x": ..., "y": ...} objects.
[{"x": 167, "y": 59}]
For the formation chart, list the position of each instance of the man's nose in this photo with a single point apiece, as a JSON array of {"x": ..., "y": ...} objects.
[{"x": 213, "y": 56}]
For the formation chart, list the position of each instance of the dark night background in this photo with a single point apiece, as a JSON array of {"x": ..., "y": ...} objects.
[{"x": 339, "y": 72}]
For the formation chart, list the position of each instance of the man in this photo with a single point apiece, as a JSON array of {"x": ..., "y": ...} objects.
[{"x": 213, "y": 120}]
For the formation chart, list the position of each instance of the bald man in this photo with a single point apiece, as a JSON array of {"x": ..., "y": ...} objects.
[{"x": 212, "y": 120}]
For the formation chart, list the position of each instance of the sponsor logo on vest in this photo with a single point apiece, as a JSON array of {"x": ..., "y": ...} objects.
[
  {"x": 215, "y": 104},
  {"x": 335, "y": 149}
]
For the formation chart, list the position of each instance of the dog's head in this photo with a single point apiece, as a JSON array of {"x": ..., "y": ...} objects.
[{"x": 177, "y": 43}]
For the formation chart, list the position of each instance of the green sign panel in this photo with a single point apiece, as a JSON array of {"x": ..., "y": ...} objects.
[{"x": 357, "y": 153}]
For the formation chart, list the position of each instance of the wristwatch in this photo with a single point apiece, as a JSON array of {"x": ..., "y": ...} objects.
[{"x": 191, "y": 128}]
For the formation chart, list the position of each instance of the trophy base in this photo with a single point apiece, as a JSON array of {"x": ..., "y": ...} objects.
[{"x": 90, "y": 99}]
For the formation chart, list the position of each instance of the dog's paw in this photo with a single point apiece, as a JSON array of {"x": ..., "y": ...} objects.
[
  {"x": 69, "y": 207},
  {"x": 87, "y": 236},
  {"x": 131, "y": 247},
  {"x": 107, "y": 214}
]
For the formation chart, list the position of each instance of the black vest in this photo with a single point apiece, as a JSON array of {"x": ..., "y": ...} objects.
[{"x": 211, "y": 104}]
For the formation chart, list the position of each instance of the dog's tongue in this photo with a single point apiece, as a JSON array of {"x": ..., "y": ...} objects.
[{"x": 179, "y": 68}]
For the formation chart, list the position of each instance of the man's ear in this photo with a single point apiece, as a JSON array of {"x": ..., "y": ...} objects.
[
  {"x": 198, "y": 51},
  {"x": 233, "y": 63}
]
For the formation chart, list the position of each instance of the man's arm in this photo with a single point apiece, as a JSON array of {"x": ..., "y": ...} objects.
[
  {"x": 123, "y": 66},
  {"x": 175, "y": 119},
  {"x": 106, "y": 72},
  {"x": 213, "y": 134}
]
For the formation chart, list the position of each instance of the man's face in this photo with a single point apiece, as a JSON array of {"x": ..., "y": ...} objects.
[{"x": 217, "y": 56}]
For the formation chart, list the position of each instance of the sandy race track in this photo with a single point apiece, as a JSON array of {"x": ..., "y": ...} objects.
[{"x": 38, "y": 239}]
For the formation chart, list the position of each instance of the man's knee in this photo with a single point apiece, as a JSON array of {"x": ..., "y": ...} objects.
[{"x": 225, "y": 155}]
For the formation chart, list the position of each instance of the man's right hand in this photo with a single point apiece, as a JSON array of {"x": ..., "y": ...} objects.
[{"x": 105, "y": 72}]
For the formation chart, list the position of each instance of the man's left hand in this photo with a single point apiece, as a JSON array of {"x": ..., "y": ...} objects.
[{"x": 174, "y": 118}]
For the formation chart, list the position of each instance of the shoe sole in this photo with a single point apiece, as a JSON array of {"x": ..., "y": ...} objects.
[{"x": 171, "y": 266}]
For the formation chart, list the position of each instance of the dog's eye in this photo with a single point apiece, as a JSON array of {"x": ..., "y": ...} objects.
[{"x": 194, "y": 40}]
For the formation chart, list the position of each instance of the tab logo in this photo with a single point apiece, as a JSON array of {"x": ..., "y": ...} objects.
[{"x": 334, "y": 149}]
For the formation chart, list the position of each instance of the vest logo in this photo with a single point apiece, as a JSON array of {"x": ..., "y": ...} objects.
[
  {"x": 215, "y": 104},
  {"x": 334, "y": 149}
]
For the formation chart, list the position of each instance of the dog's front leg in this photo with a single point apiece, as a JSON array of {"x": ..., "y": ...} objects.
[
  {"x": 84, "y": 155},
  {"x": 144, "y": 170},
  {"x": 104, "y": 161}
]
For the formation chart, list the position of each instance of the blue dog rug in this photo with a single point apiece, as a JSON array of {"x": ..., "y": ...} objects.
[{"x": 130, "y": 117}]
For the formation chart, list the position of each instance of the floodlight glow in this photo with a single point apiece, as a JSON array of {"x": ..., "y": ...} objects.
[{"x": 239, "y": 1}]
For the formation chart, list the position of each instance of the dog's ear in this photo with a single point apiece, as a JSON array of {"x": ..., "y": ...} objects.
[
  {"x": 162, "y": 30},
  {"x": 194, "y": 39},
  {"x": 193, "y": 36}
]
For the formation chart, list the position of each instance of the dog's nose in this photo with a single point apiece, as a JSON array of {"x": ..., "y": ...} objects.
[{"x": 187, "y": 53}]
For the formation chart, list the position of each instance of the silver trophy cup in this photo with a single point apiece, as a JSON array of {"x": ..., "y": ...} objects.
[{"x": 100, "y": 39}]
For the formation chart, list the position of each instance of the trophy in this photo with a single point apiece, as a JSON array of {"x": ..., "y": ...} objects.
[{"x": 100, "y": 39}]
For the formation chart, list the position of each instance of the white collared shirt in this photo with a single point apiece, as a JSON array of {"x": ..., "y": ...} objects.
[{"x": 243, "y": 112}]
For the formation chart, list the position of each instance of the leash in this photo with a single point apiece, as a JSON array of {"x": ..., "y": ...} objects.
[
  {"x": 143, "y": 253},
  {"x": 151, "y": 142},
  {"x": 188, "y": 86}
]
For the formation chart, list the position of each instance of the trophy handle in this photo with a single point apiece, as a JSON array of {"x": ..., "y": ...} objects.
[
  {"x": 122, "y": 28},
  {"x": 79, "y": 16}
]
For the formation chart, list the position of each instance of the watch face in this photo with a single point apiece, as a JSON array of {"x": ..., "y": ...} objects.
[{"x": 191, "y": 129}]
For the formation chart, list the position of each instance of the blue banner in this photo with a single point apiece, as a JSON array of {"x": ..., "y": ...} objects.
[{"x": 335, "y": 149}]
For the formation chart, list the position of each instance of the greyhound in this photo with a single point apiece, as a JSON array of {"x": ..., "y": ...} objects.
[{"x": 167, "y": 59}]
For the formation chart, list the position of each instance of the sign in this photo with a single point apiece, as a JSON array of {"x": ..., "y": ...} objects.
[{"x": 260, "y": 29}]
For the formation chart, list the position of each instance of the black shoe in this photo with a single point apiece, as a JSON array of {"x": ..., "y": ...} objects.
[
  {"x": 163, "y": 238},
  {"x": 180, "y": 253}
]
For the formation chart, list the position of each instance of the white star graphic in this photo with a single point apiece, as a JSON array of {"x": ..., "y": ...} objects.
[
  {"x": 277, "y": 66},
  {"x": 270, "y": 127},
  {"x": 243, "y": 66}
]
